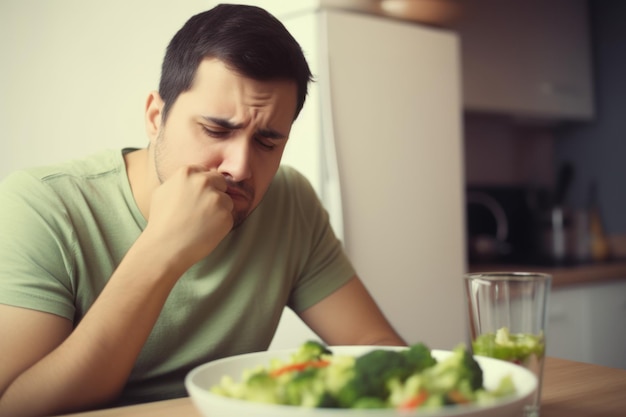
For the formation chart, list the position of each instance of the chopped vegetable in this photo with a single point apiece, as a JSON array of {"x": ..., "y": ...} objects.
[
  {"x": 414, "y": 401},
  {"x": 516, "y": 348},
  {"x": 299, "y": 367},
  {"x": 310, "y": 351},
  {"x": 405, "y": 379}
]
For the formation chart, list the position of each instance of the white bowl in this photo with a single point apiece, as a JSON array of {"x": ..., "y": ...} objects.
[{"x": 202, "y": 378}]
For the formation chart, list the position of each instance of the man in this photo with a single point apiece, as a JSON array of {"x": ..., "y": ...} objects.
[{"x": 121, "y": 272}]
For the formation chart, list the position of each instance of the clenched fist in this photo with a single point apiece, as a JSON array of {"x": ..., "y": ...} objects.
[{"x": 191, "y": 213}]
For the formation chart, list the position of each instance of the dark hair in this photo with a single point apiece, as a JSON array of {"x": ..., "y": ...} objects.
[{"x": 248, "y": 39}]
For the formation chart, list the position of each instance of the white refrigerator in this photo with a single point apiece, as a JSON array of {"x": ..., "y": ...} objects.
[{"x": 381, "y": 140}]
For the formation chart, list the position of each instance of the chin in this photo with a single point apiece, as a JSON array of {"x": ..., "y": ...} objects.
[{"x": 239, "y": 217}]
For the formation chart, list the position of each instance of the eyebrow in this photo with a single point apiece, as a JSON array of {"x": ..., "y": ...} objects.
[{"x": 227, "y": 124}]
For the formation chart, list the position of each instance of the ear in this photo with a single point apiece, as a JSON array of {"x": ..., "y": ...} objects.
[{"x": 154, "y": 109}]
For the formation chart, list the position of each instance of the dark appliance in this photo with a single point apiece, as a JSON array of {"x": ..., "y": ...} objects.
[{"x": 499, "y": 225}]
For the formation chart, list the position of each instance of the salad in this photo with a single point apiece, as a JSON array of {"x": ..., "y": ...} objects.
[
  {"x": 404, "y": 379},
  {"x": 512, "y": 347}
]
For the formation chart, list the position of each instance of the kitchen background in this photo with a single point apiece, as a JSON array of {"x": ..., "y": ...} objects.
[
  {"x": 570, "y": 52},
  {"x": 542, "y": 87},
  {"x": 558, "y": 103}
]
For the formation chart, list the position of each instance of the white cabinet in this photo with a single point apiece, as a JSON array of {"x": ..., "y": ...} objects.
[
  {"x": 567, "y": 333},
  {"x": 586, "y": 323},
  {"x": 528, "y": 58},
  {"x": 608, "y": 324}
]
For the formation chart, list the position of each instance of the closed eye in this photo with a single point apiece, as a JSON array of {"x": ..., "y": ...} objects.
[
  {"x": 215, "y": 133},
  {"x": 269, "y": 139},
  {"x": 264, "y": 143},
  {"x": 266, "y": 139}
]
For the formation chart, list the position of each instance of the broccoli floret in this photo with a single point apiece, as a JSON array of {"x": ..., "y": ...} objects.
[
  {"x": 261, "y": 387},
  {"x": 328, "y": 400},
  {"x": 419, "y": 357},
  {"x": 473, "y": 371},
  {"x": 319, "y": 387},
  {"x": 371, "y": 373},
  {"x": 400, "y": 392},
  {"x": 459, "y": 371},
  {"x": 338, "y": 373},
  {"x": 434, "y": 402},
  {"x": 309, "y": 351},
  {"x": 306, "y": 388},
  {"x": 374, "y": 370}
]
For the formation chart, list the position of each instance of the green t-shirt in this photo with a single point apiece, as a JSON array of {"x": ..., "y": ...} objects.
[{"x": 65, "y": 228}]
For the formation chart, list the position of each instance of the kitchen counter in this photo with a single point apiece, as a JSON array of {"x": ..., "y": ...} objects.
[
  {"x": 582, "y": 308},
  {"x": 565, "y": 275}
]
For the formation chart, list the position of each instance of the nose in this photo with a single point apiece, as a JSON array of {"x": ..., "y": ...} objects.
[{"x": 236, "y": 159}]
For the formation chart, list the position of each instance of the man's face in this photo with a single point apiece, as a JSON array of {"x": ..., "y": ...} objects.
[{"x": 232, "y": 124}]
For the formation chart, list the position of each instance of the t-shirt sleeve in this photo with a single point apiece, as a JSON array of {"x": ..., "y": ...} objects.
[
  {"x": 326, "y": 266},
  {"x": 35, "y": 247}
]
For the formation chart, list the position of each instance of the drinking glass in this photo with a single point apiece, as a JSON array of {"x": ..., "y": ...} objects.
[{"x": 507, "y": 320}]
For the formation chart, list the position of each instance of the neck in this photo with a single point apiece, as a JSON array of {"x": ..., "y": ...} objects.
[{"x": 140, "y": 178}]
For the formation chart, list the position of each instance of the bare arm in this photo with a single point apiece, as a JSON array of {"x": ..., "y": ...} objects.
[
  {"x": 350, "y": 316},
  {"x": 88, "y": 367},
  {"x": 54, "y": 369}
]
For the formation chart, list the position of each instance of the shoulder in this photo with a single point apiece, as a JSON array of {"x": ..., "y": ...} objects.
[
  {"x": 289, "y": 179},
  {"x": 57, "y": 175},
  {"x": 290, "y": 188},
  {"x": 91, "y": 166},
  {"x": 95, "y": 164},
  {"x": 290, "y": 198},
  {"x": 51, "y": 190},
  {"x": 290, "y": 174}
]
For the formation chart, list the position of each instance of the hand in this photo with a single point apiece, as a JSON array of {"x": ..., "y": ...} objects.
[{"x": 190, "y": 213}]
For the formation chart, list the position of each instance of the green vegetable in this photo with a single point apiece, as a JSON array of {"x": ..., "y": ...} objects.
[
  {"x": 369, "y": 402},
  {"x": 371, "y": 373},
  {"x": 505, "y": 387},
  {"x": 310, "y": 351},
  {"x": 382, "y": 378},
  {"x": 261, "y": 387},
  {"x": 419, "y": 357},
  {"x": 306, "y": 389},
  {"x": 375, "y": 369},
  {"x": 453, "y": 380},
  {"x": 516, "y": 348},
  {"x": 459, "y": 371},
  {"x": 456, "y": 371}
]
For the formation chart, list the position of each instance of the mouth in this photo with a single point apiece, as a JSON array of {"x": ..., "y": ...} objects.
[
  {"x": 237, "y": 193},
  {"x": 242, "y": 195},
  {"x": 241, "y": 191}
]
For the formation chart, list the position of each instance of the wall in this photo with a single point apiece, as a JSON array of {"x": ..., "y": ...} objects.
[
  {"x": 499, "y": 151},
  {"x": 76, "y": 74},
  {"x": 598, "y": 149}
]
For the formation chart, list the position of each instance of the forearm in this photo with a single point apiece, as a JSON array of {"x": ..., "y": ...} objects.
[
  {"x": 92, "y": 365},
  {"x": 350, "y": 316},
  {"x": 391, "y": 339}
]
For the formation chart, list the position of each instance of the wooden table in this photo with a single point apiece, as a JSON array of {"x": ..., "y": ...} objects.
[{"x": 570, "y": 389}]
